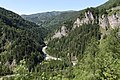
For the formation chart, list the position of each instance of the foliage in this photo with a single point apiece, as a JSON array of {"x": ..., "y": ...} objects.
[
  {"x": 19, "y": 40},
  {"x": 75, "y": 42},
  {"x": 109, "y": 4}
]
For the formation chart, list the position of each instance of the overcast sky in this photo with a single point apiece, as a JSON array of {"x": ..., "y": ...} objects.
[{"x": 38, "y": 6}]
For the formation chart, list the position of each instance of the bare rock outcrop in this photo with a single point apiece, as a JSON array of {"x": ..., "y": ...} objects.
[
  {"x": 77, "y": 23},
  {"x": 104, "y": 22},
  {"x": 62, "y": 32},
  {"x": 89, "y": 19},
  {"x": 114, "y": 21}
]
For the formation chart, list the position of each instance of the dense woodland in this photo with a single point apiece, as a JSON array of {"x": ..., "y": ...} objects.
[
  {"x": 75, "y": 43},
  {"x": 19, "y": 39},
  {"x": 99, "y": 62},
  {"x": 21, "y": 43}
]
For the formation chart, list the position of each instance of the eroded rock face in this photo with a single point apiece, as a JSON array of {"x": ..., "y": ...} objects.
[
  {"x": 89, "y": 19},
  {"x": 114, "y": 21},
  {"x": 111, "y": 21},
  {"x": 77, "y": 23},
  {"x": 62, "y": 32},
  {"x": 104, "y": 22}
]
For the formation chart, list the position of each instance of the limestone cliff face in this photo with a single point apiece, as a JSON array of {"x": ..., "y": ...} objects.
[
  {"x": 62, "y": 32},
  {"x": 89, "y": 19},
  {"x": 114, "y": 21},
  {"x": 105, "y": 21},
  {"x": 77, "y": 23}
]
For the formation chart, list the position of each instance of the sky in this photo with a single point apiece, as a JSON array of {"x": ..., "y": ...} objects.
[{"x": 39, "y": 6}]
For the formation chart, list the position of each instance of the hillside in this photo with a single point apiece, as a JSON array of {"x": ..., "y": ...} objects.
[
  {"x": 109, "y": 4},
  {"x": 52, "y": 20},
  {"x": 105, "y": 17},
  {"x": 79, "y": 45},
  {"x": 41, "y": 18},
  {"x": 92, "y": 40},
  {"x": 18, "y": 40}
]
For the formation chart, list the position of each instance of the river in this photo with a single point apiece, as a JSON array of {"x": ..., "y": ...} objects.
[{"x": 47, "y": 56}]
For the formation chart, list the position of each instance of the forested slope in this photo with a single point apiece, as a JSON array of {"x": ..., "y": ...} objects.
[
  {"x": 97, "y": 57},
  {"x": 19, "y": 39}
]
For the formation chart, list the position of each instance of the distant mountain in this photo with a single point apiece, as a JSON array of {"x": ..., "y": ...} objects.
[
  {"x": 41, "y": 18},
  {"x": 13, "y": 19},
  {"x": 52, "y": 20}
]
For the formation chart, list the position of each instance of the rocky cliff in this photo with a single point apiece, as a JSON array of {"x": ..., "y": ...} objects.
[
  {"x": 112, "y": 21},
  {"x": 89, "y": 19},
  {"x": 106, "y": 21},
  {"x": 60, "y": 33}
]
